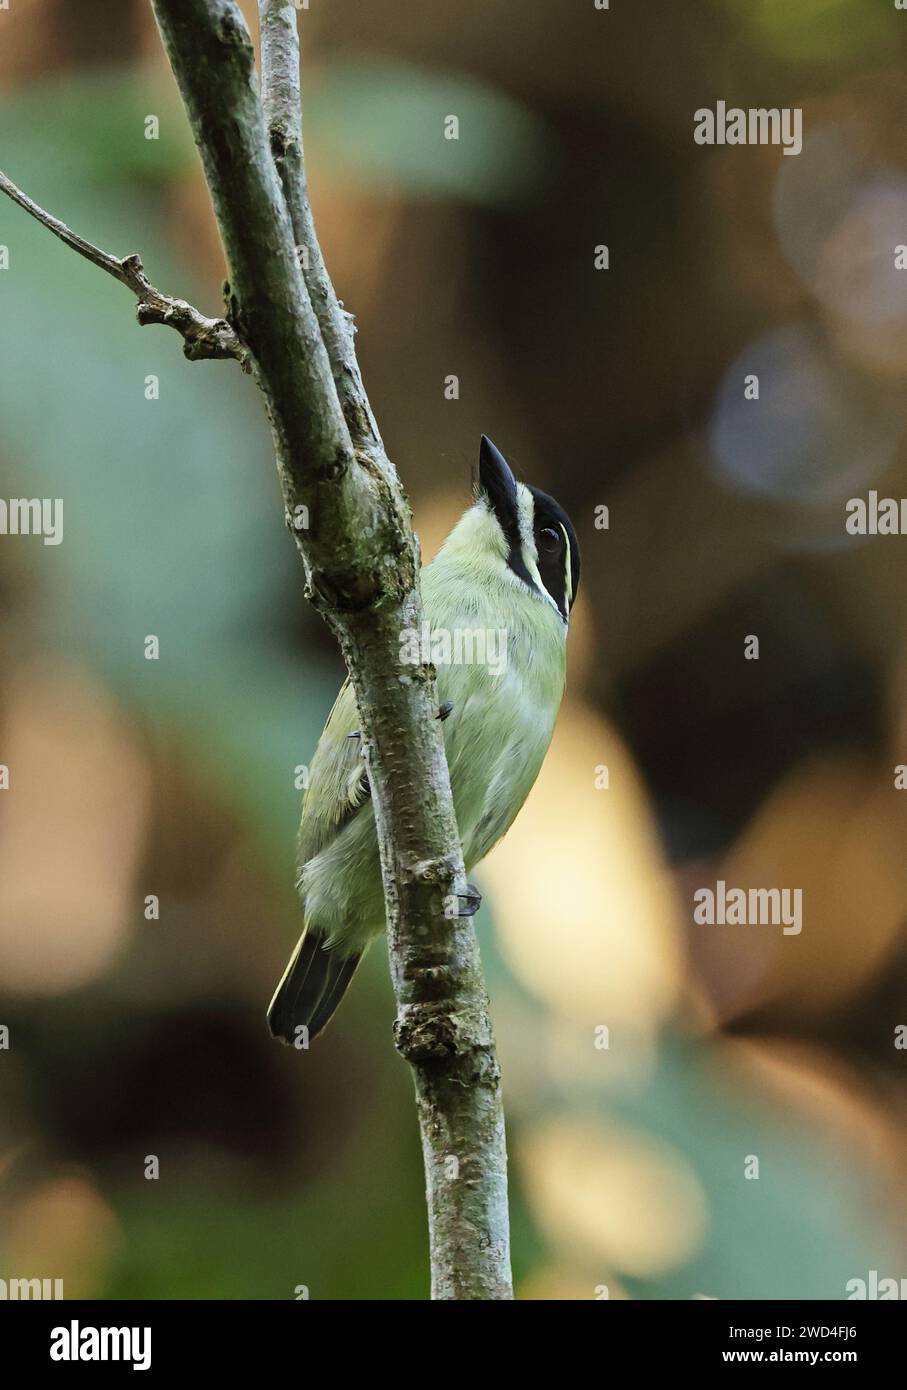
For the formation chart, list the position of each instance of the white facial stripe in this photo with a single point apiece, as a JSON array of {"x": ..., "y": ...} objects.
[
  {"x": 568, "y": 587},
  {"x": 530, "y": 555}
]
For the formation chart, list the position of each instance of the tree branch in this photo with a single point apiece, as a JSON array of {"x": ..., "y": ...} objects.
[
  {"x": 202, "y": 337},
  {"x": 282, "y": 100},
  {"x": 362, "y": 563}
]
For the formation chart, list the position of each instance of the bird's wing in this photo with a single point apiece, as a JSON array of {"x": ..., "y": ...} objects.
[{"x": 338, "y": 784}]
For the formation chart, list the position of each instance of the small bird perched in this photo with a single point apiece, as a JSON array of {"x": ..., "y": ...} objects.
[{"x": 508, "y": 572}]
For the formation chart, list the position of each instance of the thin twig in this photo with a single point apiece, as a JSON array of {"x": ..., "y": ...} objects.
[{"x": 202, "y": 337}]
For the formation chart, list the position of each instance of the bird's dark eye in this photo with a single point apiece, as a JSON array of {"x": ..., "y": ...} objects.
[{"x": 548, "y": 540}]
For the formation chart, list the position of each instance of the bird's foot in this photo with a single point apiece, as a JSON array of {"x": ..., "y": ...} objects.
[{"x": 472, "y": 900}]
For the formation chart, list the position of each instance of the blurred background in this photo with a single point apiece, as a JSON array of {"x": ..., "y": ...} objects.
[{"x": 623, "y": 388}]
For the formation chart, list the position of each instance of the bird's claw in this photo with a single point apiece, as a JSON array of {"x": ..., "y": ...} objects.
[
  {"x": 472, "y": 899},
  {"x": 443, "y": 712}
]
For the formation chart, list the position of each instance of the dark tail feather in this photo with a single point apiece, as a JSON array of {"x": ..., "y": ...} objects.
[
  {"x": 313, "y": 985},
  {"x": 339, "y": 976}
]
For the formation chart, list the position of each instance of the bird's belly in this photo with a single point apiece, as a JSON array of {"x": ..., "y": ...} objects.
[{"x": 495, "y": 748}]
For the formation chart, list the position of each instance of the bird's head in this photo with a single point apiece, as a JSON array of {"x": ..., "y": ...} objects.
[{"x": 517, "y": 534}]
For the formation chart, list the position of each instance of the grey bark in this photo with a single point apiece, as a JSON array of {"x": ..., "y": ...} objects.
[{"x": 282, "y": 101}]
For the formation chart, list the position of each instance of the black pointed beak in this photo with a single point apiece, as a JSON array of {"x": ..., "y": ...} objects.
[
  {"x": 499, "y": 488},
  {"x": 495, "y": 477}
]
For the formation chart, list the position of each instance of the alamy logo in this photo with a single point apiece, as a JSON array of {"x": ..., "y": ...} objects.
[
  {"x": 463, "y": 646},
  {"x": 33, "y": 516},
  {"x": 23, "y": 1289},
  {"x": 758, "y": 125},
  {"x": 77, "y": 1343},
  {"x": 874, "y": 1288},
  {"x": 756, "y": 907},
  {"x": 876, "y": 516}
]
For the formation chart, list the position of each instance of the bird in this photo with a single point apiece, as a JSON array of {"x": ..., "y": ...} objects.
[{"x": 508, "y": 572}]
